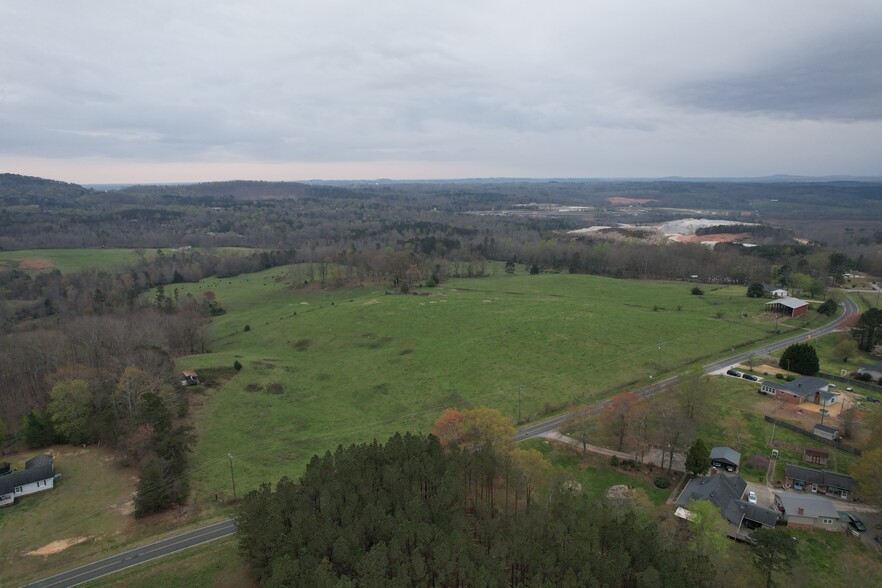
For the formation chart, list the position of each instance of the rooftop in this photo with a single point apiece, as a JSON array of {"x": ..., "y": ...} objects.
[
  {"x": 789, "y": 302},
  {"x": 811, "y": 505}
]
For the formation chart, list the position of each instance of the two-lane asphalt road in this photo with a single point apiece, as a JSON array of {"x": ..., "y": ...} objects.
[
  {"x": 140, "y": 555},
  {"x": 216, "y": 531}
]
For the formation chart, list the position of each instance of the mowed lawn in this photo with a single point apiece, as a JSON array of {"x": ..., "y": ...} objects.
[{"x": 325, "y": 367}]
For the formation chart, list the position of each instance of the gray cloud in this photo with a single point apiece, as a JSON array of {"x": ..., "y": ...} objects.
[
  {"x": 572, "y": 88},
  {"x": 835, "y": 79}
]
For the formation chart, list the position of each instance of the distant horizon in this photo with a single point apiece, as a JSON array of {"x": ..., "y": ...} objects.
[{"x": 772, "y": 178}]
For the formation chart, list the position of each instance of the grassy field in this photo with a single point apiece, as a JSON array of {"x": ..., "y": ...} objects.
[
  {"x": 327, "y": 367},
  {"x": 77, "y": 260}
]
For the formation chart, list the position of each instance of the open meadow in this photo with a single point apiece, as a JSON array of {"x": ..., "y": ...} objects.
[
  {"x": 80, "y": 259},
  {"x": 325, "y": 367}
]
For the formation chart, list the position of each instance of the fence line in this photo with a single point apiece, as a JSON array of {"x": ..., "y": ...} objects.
[{"x": 812, "y": 436}]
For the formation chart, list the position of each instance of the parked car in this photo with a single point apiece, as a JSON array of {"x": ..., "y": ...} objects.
[
  {"x": 750, "y": 377},
  {"x": 872, "y": 399},
  {"x": 849, "y": 389},
  {"x": 735, "y": 373},
  {"x": 878, "y": 540},
  {"x": 858, "y": 524},
  {"x": 751, "y": 497}
]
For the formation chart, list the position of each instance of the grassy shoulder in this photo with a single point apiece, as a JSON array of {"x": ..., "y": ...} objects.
[{"x": 213, "y": 565}]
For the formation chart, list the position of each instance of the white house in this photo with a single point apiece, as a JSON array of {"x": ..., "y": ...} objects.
[
  {"x": 776, "y": 292},
  {"x": 36, "y": 477}
]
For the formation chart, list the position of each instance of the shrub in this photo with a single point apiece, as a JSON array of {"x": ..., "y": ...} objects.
[
  {"x": 237, "y": 365},
  {"x": 863, "y": 377},
  {"x": 247, "y": 328},
  {"x": 662, "y": 482},
  {"x": 779, "y": 375},
  {"x": 696, "y": 291},
  {"x": 614, "y": 461}
]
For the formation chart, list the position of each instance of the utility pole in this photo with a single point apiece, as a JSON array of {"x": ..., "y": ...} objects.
[
  {"x": 232, "y": 477},
  {"x": 520, "y": 389}
]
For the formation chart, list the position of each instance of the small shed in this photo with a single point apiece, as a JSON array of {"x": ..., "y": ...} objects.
[
  {"x": 825, "y": 432},
  {"x": 726, "y": 458},
  {"x": 815, "y": 456}
]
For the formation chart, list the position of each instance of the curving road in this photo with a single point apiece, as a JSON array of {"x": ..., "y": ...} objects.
[{"x": 222, "y": 529}]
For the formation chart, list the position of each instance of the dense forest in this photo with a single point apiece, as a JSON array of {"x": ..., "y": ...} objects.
[{"x": 410, "y": 513}]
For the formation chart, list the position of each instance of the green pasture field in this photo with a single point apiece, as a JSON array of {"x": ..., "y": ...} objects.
[
  {"x": 77, "y": 260},
  {"x": 329, "y": 367}
]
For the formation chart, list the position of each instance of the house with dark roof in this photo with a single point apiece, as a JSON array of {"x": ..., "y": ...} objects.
[
  {"x": 789, "y": 306},
  {"x": 802, "y": 389},
  {"x": 819, "y": 481},
  {"x": 725, "y": 493},
  {"x": 725, "y": 458},
  {"x": 37, "y": 476},
  {"x": 874, "y": 370},
  {"x": 807, "y": 511}
]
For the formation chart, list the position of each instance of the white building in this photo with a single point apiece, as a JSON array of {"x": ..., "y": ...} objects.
[{"x": 36, "y": 477}]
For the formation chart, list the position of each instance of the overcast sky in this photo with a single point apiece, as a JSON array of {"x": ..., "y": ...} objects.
[{"x": 152, "y": 91}]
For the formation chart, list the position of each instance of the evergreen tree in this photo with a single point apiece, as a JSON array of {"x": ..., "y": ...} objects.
[
  {"x": 868, "y": 329},
  {"x": 755, "y": 290},
  {"x": 698, "y": 458},
  {"x": 38, "y": 430},
  {"x": 800, "y": 358},
  {"x": 152, "y": 494}
]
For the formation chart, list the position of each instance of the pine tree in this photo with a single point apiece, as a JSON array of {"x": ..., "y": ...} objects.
[
  {"x": 698, "y": 458},
  {"x": 152, "y": 493}
]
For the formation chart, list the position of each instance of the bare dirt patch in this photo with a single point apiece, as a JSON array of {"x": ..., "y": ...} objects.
[
  {"x": 716, "y": 237},
  {"x": 619, "y": 491},
  {"x": 35, "y": 263},
  {"x": 58, "y": 546}
]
